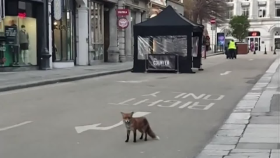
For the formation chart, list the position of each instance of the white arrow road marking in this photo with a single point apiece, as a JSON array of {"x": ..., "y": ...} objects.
[
  {"x": 80, "y": 129},
  {"x": 14, "y": 126},
  {"x": 225, "y": 73},
  {"x": 251, "y": 59}
]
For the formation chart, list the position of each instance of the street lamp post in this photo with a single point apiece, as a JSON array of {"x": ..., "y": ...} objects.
[{"x": 45, "y": 55}]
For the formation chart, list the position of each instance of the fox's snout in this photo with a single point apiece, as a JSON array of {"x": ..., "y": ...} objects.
[{"x": 127, "y": 121}]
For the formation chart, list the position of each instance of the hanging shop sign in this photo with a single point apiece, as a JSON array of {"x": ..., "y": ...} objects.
[
  {"x": 162, "y": 62},
  {"x": 122, "y": 12},
  {"x": 123, "y": 23}
]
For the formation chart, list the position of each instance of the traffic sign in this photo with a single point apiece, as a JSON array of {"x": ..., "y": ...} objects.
[
  {"x": 123, "y": 23},
  {"x": 213, "y": 21}
]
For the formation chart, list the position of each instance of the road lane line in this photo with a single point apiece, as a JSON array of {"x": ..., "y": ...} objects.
[
  {"x": 14, "y": 126},
  {"x": 225, "y": 73}
]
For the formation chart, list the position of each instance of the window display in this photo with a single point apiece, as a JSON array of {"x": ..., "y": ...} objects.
[
  {"x": 21, "y": 41},
  {"x": 18, "y": 35}
]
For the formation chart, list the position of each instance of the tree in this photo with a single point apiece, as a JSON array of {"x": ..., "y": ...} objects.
[
  {"x": 199, "y": 10},
  {"x": 239, "y": 26}
]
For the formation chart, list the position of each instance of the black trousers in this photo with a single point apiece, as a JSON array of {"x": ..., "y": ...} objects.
[
  {"x": 15, "y": 54},
  {"x": 231, "y": 53}
]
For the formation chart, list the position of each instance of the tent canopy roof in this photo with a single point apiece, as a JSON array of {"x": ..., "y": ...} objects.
[{"x": 167, "y": 22}]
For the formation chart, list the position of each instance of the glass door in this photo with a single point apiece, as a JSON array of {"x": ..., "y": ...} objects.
[{"x": 97, "y": 31}]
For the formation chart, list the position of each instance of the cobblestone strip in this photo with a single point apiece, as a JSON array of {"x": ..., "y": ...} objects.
[{"x": 254, "y": 102}]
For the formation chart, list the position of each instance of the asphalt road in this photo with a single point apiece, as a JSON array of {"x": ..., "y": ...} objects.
[{"x": 40, "y": 122}]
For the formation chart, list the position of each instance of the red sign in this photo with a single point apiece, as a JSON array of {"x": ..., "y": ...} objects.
[
  {"x": 123, "y": 23},
  {"x": 22, "y": 15},
  {"x": 122, "y": 12},
  {"x": 213, "y": 21},
  {"x": 254, "y": 34}
]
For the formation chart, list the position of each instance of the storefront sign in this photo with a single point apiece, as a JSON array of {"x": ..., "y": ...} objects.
[
  {"x": 254, "y": 33},
  {"x": 161, "y": 62},
  {"x": 21, "y": 15},
  {"x": 122, "y": 12},
  {"x": 57, "y": 5},
  {"x": 123, "y": 23},
  {"x": 11, "y": 34}
]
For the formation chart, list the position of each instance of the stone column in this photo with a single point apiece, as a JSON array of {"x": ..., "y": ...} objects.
[
  {"x": 128, "y": 39},
  {"x": 121, "y": 34},
  {"x": 251, "y": 12},
  {"x": 50, "y": 32},
  {"x": 113, "y": 50},
  {"x": 82, "y": 29},
  {"x": 138, "y": 18},
  {"x": 268, "y": 8}
]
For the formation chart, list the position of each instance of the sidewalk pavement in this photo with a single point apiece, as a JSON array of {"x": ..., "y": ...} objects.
[
  {"x": 253, "y": 129},
  {"x": 25, "y": 79}
]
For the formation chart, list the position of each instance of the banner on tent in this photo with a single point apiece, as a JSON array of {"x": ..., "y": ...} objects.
[{"x": 162, "y": 62}]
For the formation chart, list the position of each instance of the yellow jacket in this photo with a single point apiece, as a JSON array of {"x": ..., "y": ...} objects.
[{"x": 231, "y": 45}]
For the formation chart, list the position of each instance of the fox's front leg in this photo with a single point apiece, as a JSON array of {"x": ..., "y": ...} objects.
[
  {"x": 127, "y": 135},
  {"x": 134, "y": 136}
]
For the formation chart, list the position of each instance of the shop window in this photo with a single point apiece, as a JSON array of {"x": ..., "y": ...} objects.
[
  {"x": 245, "y": 11},
  {"x": 277, "y": 11},
  {"x": 97, "y": 31},
  {"x": 18, "y": 35},
  {"x": 63, "y": 32},
  {"x": 262, "y": 12},
  {"x": 229, "y": 13}
]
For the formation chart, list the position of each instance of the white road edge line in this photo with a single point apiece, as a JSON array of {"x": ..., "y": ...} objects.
[
  {"x": 14, "y": 126},
  {"x": 225, "y": 73}
]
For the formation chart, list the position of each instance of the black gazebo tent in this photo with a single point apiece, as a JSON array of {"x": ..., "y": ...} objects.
[{"x": 169, "y": 23}]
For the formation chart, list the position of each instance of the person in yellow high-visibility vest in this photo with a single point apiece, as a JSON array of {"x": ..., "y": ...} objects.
[{"x": 231, "y": 49}]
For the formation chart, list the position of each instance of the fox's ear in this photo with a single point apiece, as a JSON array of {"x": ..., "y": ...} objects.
[{"x": 132, "y": 113}]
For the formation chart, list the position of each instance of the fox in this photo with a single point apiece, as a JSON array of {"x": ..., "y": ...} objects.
[{"x": 140, "y": 123}]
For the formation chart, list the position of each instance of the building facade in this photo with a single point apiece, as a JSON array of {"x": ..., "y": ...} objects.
[
  {"x": 177, "y": 5},
  {"x": 264, "y": 16}
]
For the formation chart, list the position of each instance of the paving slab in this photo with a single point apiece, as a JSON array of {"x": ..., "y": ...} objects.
[
  {"x": 230, "y": 133},
  {"x": 219, "y": 147},
  {"x": 214, "y": 152},
  {"x": 233, "y": 127},
  {"x": 241, "y": 145},
  {"x": 225, "y": 140},
  {"x": 265, "y": 120}
]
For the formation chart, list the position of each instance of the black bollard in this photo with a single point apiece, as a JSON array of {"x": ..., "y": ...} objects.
[
  {"x": 274, "y": 52},
  {"x": 254, "y": 51},
  {"x": 265, "y": 50}
]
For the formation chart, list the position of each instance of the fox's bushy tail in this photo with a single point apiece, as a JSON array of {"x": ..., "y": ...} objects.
[{"x": 152, "y": 134}]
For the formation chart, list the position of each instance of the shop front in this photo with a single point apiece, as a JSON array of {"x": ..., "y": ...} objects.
[
  {"x": 21, "y": 32},
  {"x": 254, "y": 40},
  {"x": 63, "y": 33}
]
